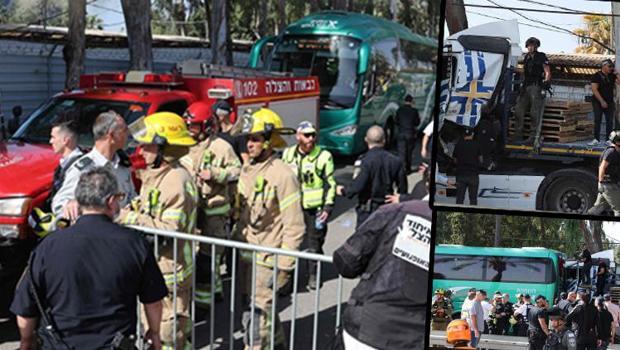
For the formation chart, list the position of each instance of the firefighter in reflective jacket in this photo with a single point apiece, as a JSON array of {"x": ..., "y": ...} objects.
[
  {"x": 314, "y": 167},
  {"x": 269, "y": 214},
  {"x": 390, "y": 252},
  {"x": 441, "y": 311},
  {"x": 213, "y": 164},
  {"x": 167, "y": 201}
]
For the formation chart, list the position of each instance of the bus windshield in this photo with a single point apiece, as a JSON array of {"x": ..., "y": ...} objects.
[
  {"x": 82, "y": 112},
  {"x": 333, "y": 59},
  {"x": 494, "y": 269}
]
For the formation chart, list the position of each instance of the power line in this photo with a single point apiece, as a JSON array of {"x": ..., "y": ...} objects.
[
  {"x": 522, "y": 23},
  {"x": 562, "y": 12},
  {"x": 551, "y": 5},
  {"x": 553, "y": 26},
  {"x": 45, "y": 19}
]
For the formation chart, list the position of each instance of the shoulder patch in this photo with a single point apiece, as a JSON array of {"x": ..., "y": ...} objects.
[
  {"x": 83, "y": 163},
  {"x": 412, "y": 242}
]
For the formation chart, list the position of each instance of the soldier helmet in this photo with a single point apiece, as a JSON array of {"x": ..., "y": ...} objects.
[
  {"x": 614, "y": 136},
  {"x": 532, "y": 40}
]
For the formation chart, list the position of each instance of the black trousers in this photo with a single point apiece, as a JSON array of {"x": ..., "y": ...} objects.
[
  {"x": 364, "y": 211},
  {"x": 536, "y": 342},
  {"x": 314, "y": 238},
  {"x": 590, "y": 345},
  {"x": 467, "y": 182},
  {"x": 609, "y": 119},
  {"x": 405, "y": 144}
]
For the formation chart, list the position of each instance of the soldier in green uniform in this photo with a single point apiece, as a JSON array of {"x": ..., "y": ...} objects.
[{"x": 441, "y": 311}]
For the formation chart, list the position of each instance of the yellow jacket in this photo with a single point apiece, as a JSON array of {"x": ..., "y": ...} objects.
[{"x": 269, "y": 205}]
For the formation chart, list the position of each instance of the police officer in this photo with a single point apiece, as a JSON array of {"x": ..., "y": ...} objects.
[
  {"x": 585, "y": 315},
  {"x": 391, "y": 253},
  {"x": 609, "y": 178},
  {"x": 407, "y": 120},
  {"x": 441, "y": 311},
  {"x": 314, "y": 168},
  {"x": 214, "y": 165},
  {"x": 537, "y": 76},
  {"x": 87, "y": 278},
  {"x": 538, "y": 320},
  {"x": 560, "y": 337},
  {"x": 468, "y": 159},
  {"x": 376, "y": 173},
  {"x": 168, "y": 201},
  {"x": 269, "y": 214},
  {"x": 110, "y": 134}
]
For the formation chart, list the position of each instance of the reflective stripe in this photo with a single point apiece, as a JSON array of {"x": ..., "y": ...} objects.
[
  {"x": 191, "y": 190},
  {"x": 221, "y": 210},
  {"x": 221, "y": 176},
  {"x": 131, "y": 218},
  {"x": 291, "y": 199},
  {"x": 312, "y": 198},
  {"x": 181, "y": 275},
  {"x": 176, "y": 215}
]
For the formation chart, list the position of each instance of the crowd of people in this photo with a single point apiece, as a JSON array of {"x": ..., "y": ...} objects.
[
  {"x": 209, "y": 176},
  {"x": 574, "y": 321}
]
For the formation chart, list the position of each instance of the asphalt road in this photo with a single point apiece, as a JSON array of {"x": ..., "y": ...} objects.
[{"x": 341, "y": 226}]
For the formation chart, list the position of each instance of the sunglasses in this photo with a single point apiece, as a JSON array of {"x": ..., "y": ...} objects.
[{"x": 309, "y": 135}]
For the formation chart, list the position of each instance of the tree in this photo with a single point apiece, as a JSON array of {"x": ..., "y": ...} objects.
[
  {"x": 220, "y": 33},
  {"x": 456, "y": 17},
  {"x": 75, "y": 47},
  {"x": 137, "y": 15},
  {"x": 593, "y": 235},
  {"x": 598, "y": 28}
]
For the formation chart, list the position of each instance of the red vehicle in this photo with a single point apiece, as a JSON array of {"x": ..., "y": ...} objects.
[{"x": 27, "y": 161}]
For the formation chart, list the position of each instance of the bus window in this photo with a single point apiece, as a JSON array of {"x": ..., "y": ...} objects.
[
  {"x": 385, "y": 62},
  {"x": 459, "y": 267},
  {"x": 416, "y": 58}
]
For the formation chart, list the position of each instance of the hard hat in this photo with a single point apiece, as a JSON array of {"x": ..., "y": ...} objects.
[
  {"x": 458, "y": 332},
  {"x": 222, "y": 105},
  {"x": 532, "y": 40},
  {"x": 197, "y": 112},
  {"x": 163, "y": 128},
  {"x": 268, "y": 123},
  {"x": 440, "y": 291},
  {"x": 614, "y": 136}
]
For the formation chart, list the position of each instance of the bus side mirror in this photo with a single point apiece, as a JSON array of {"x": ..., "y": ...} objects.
[
  {"x": 258, "y": 54},
  {"x": 364, "y": 58}
]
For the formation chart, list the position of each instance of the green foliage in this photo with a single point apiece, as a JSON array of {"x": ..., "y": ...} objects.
[
  {"x": 34, "y": 11},
  {"x": 469, "y": 229}
]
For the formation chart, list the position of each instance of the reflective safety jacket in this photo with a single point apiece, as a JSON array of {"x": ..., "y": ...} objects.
[
  {"x": 168, "y": 201},
  {"x": 269, "y": 209},
  {"x": 315, "y": 172},
  {"x": 219, "y": 157}
]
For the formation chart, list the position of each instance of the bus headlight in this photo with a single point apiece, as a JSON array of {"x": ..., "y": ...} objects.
[
  {"x": 14, "y": 206},
  {"x": 348, "y": 130}
]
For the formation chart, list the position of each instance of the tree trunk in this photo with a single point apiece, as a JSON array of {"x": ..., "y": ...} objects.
[
  {"x": 456, "y": 18},
  {"x": 593, "y": 235},
  {"x": 263, "y": 8},
  {"x": 315, "y": 6},
  {"x": 74, "y": 50},
  {"x": 393, "y": 10},
  {"x": 208, "y": 23},
  {"x": 220, "y": 34},
  {"x": 178, "y": 16},
  {"x": 370, "y": 7},
  {"x": 281, "y": 15},
  {"x": 498, "y": 230},
  {"x": 137, "y": 15},
  {"x": 339, "y": 5}
]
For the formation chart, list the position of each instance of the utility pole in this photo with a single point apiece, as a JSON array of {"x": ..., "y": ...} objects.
[{"x": 615, "y": 11}]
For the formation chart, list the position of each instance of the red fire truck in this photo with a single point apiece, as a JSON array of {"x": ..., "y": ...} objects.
[{"x": 27, "y": 161}]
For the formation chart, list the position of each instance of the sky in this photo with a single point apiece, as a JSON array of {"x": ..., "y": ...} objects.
[
  {"x": 551, "y": 40},
  {"x": 110, "y": 11}
]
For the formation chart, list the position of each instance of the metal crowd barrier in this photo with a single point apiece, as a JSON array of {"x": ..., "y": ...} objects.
[{"x": 236, "y": 245}]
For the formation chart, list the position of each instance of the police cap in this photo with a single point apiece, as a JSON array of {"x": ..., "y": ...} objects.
[{"x": 532, "y": 40}]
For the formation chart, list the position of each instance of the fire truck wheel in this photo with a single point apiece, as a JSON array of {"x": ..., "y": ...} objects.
[{"x": 569, "y": 191}]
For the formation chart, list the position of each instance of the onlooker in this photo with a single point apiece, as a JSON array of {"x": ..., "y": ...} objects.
[
  {"x": 87, "y": 280},
  {"x": 538, "y": 321},
  {"x": 603, "y": 85},
  {"x": 466, "y": 306},
  {"x": 601, "y": 278},
  {"x": 486, "y": 307},
  {"x": 605, "y": 325},
  {"x": 468, "y": 158},
  {"x": 563, "y": 303},
  {"x": 407, "y": 120},
  {"x": 585, "y": 315},
  {"x": 509, "y": 309},
  {"x": 476, "y": 318},
  {"x": 572, "y": 302},
  {"x": 615, "y": 313},
  {"x": 63, "y": 139}
]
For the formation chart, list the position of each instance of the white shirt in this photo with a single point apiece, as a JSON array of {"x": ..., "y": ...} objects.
[
  {"x": 486, "y": 306},
  {"x": 72, "y": 176},
  {"x": 466, "y": 308},
  {"x": 75, "y": 153},
  {"x": 428, "y": 130},
  {"x": 614, "y": 310}
]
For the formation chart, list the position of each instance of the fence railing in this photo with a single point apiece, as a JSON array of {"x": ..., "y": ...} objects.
[{"x": 237, "y": 246}]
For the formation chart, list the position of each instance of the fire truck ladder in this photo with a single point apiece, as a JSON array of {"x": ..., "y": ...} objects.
[{"x": 201, "y": 68}]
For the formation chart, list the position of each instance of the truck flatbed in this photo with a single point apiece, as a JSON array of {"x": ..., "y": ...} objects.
[{"x": 577, "y": 148}]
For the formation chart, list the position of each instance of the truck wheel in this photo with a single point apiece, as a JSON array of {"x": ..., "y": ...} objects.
[{"x": 569, "y": 191}]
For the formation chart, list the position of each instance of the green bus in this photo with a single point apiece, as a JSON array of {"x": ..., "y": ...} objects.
[
  {"x": 365, "y": 65},
  {"x": 525, "y": 270}
]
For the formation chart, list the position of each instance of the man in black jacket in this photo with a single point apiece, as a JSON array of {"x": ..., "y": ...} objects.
[
  {"x": 585, "y": 315},
  {"x": 376, "y": 174},
  {"x": 407, "y": 120},
  {"x": 390, "y": 251}
]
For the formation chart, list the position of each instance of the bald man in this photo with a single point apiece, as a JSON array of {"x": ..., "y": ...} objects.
[{"x": 377, "y": 173}]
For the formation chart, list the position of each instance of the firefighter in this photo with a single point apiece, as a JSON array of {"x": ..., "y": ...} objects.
[
  {"x": 213, "y": 164},
  {"x": 537, "y": 77},
  {"x": 168, "y": 200},
  {"x": 269, "y": 214},
  {"x": 314, "y": 167},
  {"x": 441, "y": 311}
]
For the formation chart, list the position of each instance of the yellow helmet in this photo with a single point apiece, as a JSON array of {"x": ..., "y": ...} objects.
[
  {"x": 162, "y": 128},
  {"x": 43, "y": 223},
  {"x": 266, "y": 122}
]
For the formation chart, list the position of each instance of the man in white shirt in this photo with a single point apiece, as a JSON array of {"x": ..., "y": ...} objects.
[
  {"x": 471, "y": 295},
  {"x": 614, "y": 309},
  {"x": 63, "y": 139}
]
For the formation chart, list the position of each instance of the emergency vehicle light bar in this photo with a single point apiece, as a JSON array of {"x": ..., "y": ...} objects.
[{"x": 219, "y": 93}]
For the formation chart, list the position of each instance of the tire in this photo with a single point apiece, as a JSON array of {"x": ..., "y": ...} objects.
[{"x": 569, "y": 191}]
